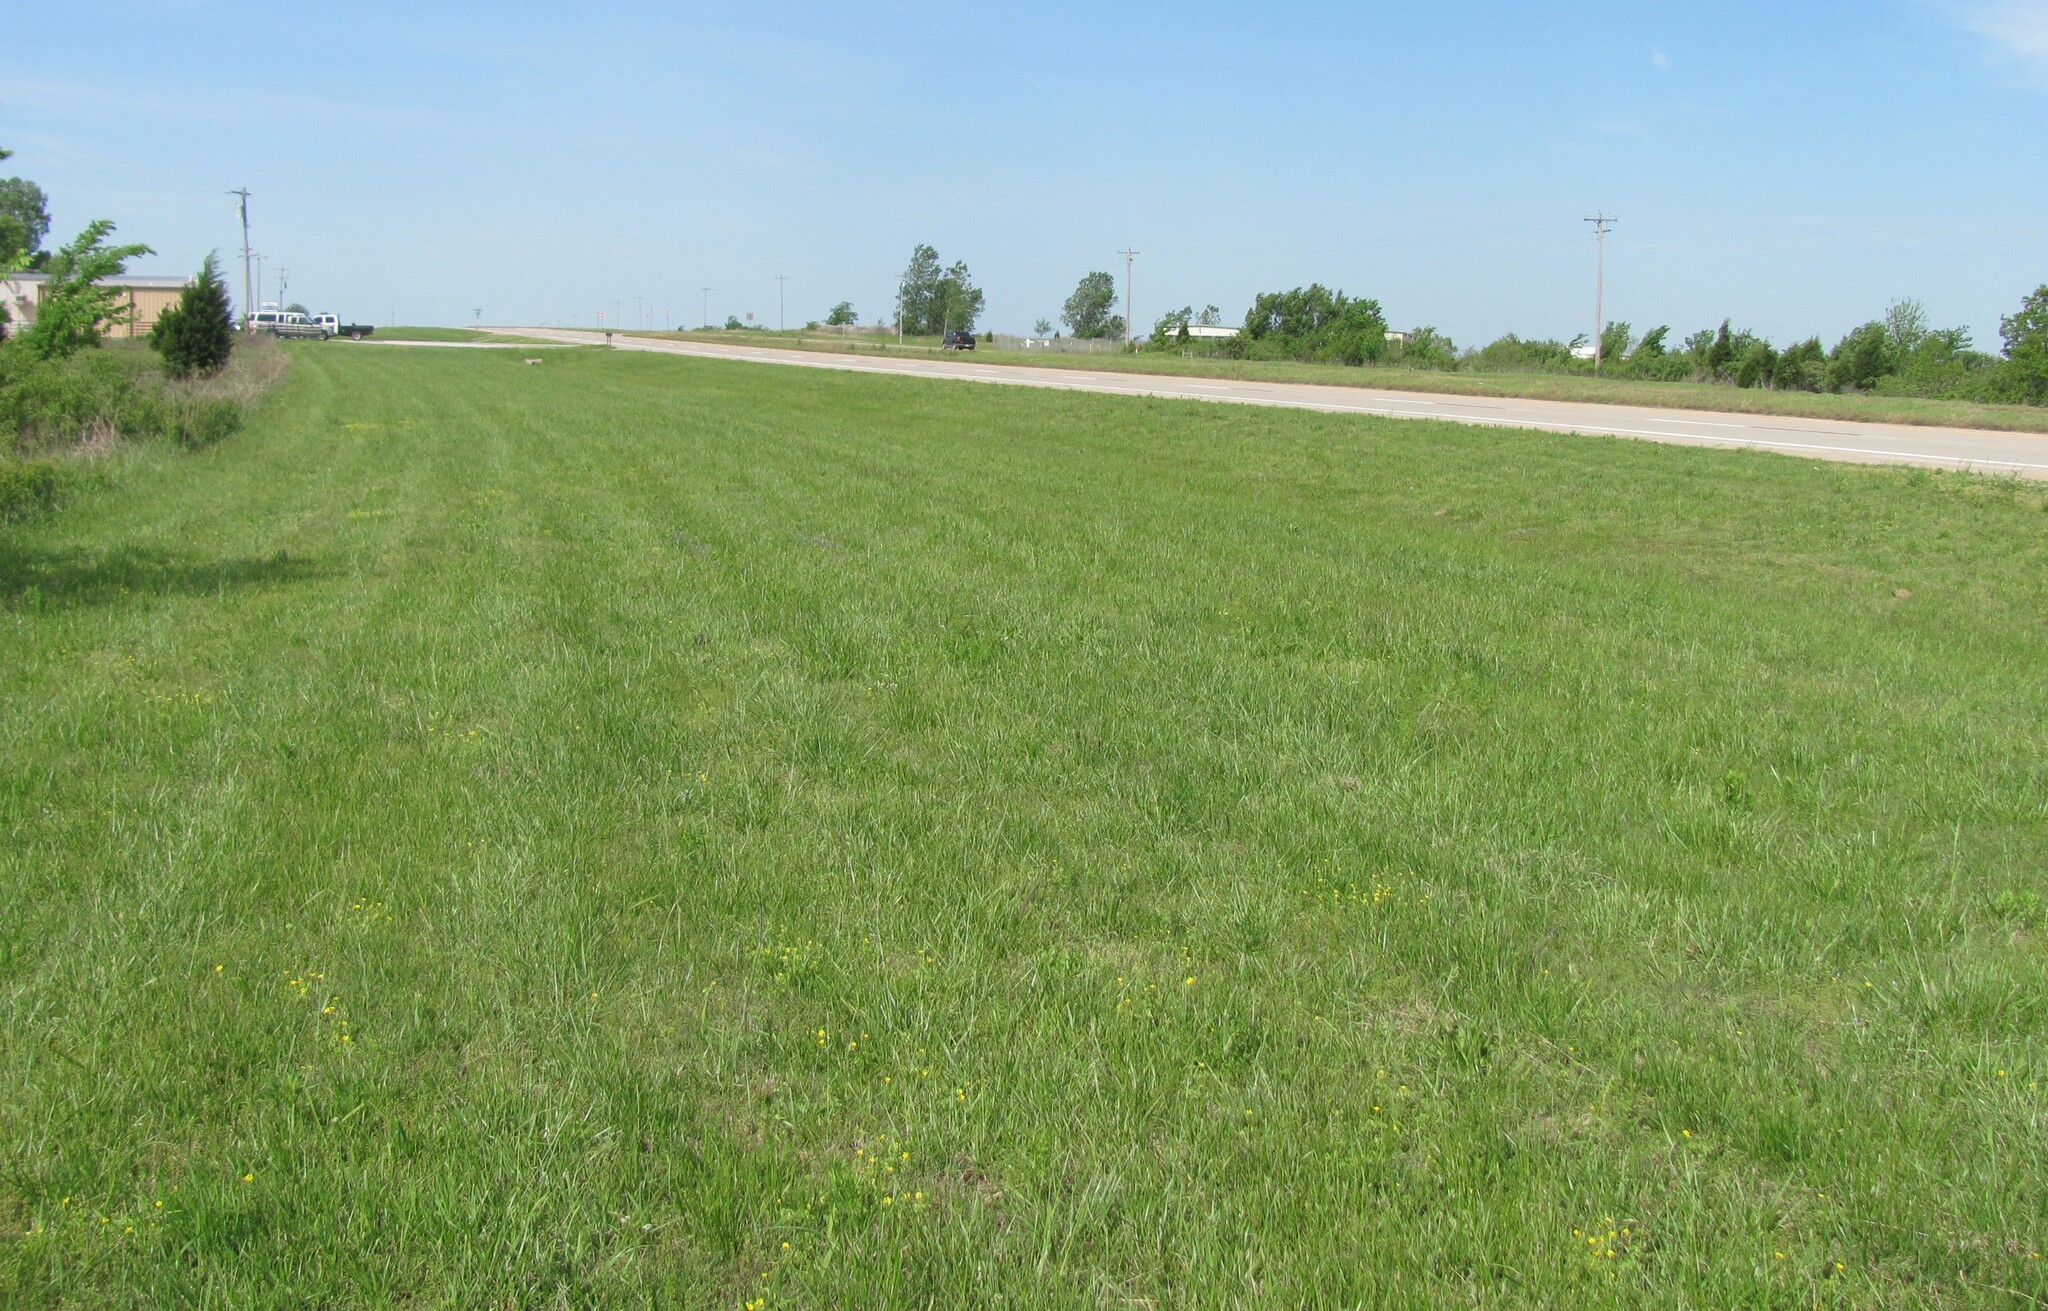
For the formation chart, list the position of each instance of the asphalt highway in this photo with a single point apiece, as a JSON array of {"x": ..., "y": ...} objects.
[{"x": 2023, "y": 454}]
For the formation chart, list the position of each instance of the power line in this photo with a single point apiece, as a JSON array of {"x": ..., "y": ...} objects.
[
  {"x": 1601, "y": 222},
  {"x": 1130, "y": 311}
]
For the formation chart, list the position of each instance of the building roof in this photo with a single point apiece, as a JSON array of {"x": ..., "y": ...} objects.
[{"x": 120, "y": 280}]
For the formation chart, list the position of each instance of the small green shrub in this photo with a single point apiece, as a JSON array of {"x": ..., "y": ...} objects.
[
  {"x": 48, "y": 402},
  {"x": 196, "y": 335},
  {"x": 194, "y": 423},
  {"x": 29, "y": 487}
]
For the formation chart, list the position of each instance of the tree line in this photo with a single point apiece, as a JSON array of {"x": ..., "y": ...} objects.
[{"x": 1899, "y": 353}]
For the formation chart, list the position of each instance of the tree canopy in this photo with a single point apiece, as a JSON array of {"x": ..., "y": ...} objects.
[
  {"x": 936, "y": 301},
  {"x": 842, "y": 315},
  {"x": 76, "y": 310},
  {"x": 24, "y": 219},
  {"x": 2026, "y": 347},
  {"x": 1087, "y": 312},
  {"x": 1315, "y": 323}
]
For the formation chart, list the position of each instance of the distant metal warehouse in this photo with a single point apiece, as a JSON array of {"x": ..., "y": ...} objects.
[{"x": 145, "y": 298}]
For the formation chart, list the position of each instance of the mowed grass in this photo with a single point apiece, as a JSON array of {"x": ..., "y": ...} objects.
[{"x": 659, "y": 832}]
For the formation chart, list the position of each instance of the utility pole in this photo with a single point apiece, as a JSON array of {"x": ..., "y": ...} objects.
[
  {"x": 479, "y": 317},
  {"x": 283, "y": 279},
  {"x": 639, "y": 314},
  {"x": 781, "y": 325},
  {"x": 1128, "y": 255},
  {"x": 259, "y": 279},
  {"x": 707, "y": 305},
  {"x": 248, "y": 304},
  {"x": 899, "y": 311},
  {"x": 1601, "y": 222}
]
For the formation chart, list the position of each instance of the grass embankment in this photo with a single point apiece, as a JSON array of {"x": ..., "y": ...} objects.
[
  {"x": 653, "y": 831},
  {"x": 1529, "y": 386}
]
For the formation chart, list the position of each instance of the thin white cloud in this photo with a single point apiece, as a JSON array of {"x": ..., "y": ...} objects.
[
  {"x": 2020, "y": 27},
  {"x": 1660, "y": 59}
]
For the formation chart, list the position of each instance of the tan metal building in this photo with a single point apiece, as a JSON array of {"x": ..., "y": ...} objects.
[{"x": 145, "y": 298}]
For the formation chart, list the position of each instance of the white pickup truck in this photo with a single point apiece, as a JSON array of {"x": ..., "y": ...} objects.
[
  {"x": 336, "y": 328},
  {"x": 319, "y": 327},
  {"x": 286, "y": 323}
]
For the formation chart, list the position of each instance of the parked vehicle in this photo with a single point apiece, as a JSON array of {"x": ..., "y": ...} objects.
[
  {"x": 336, "y": 328},
  {"x": 298, "y": 325},
  {"x": 958, "y": 340}
]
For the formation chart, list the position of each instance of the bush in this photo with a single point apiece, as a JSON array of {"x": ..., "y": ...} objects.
[
  {"x": 1511, "y": 354},
  {"x": 99, "y": 396},
  {"x": 54, "y": 402},
  {"x": 1860, "y": 359},
  {"x": 29, "y": 487},
  {"x": 195, "y": 335}
]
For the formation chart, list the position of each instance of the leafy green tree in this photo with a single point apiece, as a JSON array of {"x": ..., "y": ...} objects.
[
  {"x": 297, "y": 307},
  {"x": 1426, "y": 348},
  {"x": 2026, "y": 348},
  {"x": 959, "y": 301},
  {"x": 1042, "y": 328},
  {"x": 936, "y": 300},
  {"x": 195, "y": 335},
  {"x": 1315, "y": 323},
  {"x": 1802, "y": 367},
  {"x": 1087, "y": 311},
  {"x": 842, "y": 315},
  {"x": 1651, "y": 347},
  {"x": 920, "y": 291},
  {"x": 1720, "y": 353},
  {"x": 1905, "y": 323},
  {"x": 1210, "y": 317},
  {"x": 76, "y": 310},
  {"x": 1861, "y": 358},
  {"x": 24, "y": 219},
  {"x": 1614, "y": 342},
  {"x": 1171, "y": 330},
  {"x": 1756, "y": 365}
]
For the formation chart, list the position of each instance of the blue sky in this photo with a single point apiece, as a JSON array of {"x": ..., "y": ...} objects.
[{"x": 1793, "y": 165}]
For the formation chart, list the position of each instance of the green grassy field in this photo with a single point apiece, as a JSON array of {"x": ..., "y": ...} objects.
[
  {"x": 1533, "y": 386},
  {"x": 403, "y": 333},
  {"x": 656, "y": 832}
]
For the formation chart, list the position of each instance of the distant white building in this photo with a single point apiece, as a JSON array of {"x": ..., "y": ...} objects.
[{"x": 1214, "y": 331}]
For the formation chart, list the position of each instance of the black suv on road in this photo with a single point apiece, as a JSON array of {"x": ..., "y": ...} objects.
[{"x": 957, "y": 340}]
